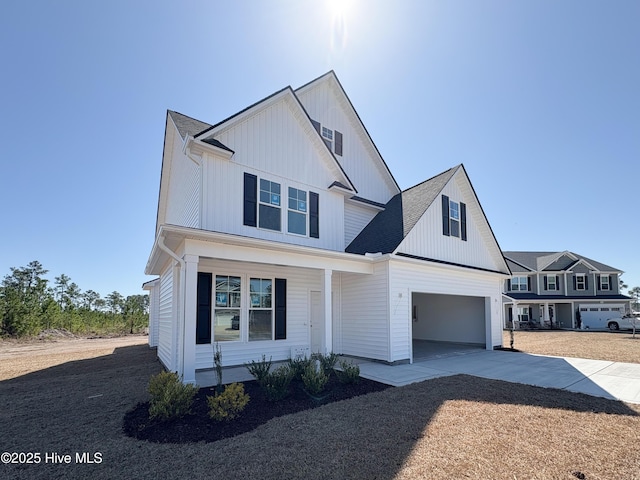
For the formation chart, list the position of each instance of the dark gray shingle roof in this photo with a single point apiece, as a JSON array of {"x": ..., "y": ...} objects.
[
  {"x": 389, "y": 227},
  {"x": 533, "y": 261},
  {"x": 187, "y": 125}
]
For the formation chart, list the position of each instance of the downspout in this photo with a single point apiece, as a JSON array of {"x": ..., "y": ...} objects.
[{"x": 181, "y": 292}]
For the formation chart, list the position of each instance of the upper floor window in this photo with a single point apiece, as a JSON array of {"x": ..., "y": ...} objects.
[
  {"x": 454, "y": 218},
  {"x": 551, "y": 282},
  {"x": 580, "y": 281},
  {"x": 605, "y": 282},
  {"x": 519, "y": 284},
  {"x": 297, "y": 214},
  {"x": 269, "y": 209},
  {"x": 332, "y": 138}
]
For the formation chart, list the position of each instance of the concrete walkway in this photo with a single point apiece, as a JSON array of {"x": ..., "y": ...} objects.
[{"x": 614, "y": 380}]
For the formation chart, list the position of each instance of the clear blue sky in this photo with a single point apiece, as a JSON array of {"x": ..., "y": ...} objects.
[{"x": 539, "y": 99}]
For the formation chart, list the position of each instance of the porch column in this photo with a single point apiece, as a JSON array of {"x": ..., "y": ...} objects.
[
  {"x": 190, "y": 312},
  {"x": 328, "y": 323},
  {"x": 545, "y": 314}
]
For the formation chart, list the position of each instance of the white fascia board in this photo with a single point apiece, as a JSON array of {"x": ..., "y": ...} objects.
[
  {"x": 448, "y": 267},
  {"x": 585, "y": 263},
  {"x": 234, "y": 247}
]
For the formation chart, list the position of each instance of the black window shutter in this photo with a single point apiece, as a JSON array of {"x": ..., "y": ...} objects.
[
  {"x": 338, "y": 145},
  {"x": 586, "y": 282},
  {"x": 511, "y": 314},
  {"x": 558, "y": 282},
  {"x": 530, "y": 314},
  {"x": 529, "y": 283},
  {"x": 203, "y": 311},
  {"x": 545, "y": 283},
  {"x": 575, "y": 285},
  {"x": 509, "y": 284},
  {"x": 250, "y": 200},
  {"x": 316, "y": 125},
  {"x": 314, "y": 215},
  {"x": 463, "y": 221},
  {"x": 599, "y": 282},
  {"x": 281, "y": 308},
  {"x": 445, "y": 215}
]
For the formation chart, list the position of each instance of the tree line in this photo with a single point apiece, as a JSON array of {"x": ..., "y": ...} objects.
[{"x": 29, "y": 304}]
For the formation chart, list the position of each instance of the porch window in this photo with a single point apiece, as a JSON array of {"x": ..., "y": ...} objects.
[
  {"x": 604, "y": 282},
  {"x": 261, "y": 309},
  {"x": 226, "y": 323},
  {"x": 523, "y": 314},
  {"x": 269, "y": 207},
  {"x": 297, "y": 214},
  {"x": 519, "y": 284}
]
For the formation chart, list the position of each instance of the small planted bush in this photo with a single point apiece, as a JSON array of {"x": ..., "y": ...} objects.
[
  {"x": 229, "y": 404},
  {"x": 276, "y": 384},
  {"x": 327, "y": 362},
  {"x": 349, "y": 373},
  {"x": 170, "y": 398},
  {"x": 314, "y": 379},
  {"x": 298, "y": 365},
  {"x": 259, "y": 370}
]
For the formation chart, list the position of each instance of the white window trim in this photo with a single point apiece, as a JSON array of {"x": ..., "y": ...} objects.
[
  {"x": 305, "y": 213},
  {"x": 519, "y": 277},
  {"x": 261, "y": 309},
  {"x": 555, "y": 283},
  {"x": 581, "y": 277},
  {"x": 454, "y": 219},
  {"x": 260, "y": 202},
  {"x": 215, "y": 307},
  {"x": 608, "y": 277}
]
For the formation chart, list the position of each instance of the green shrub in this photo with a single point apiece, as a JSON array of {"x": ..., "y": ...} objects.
[
  {"x": 327, "y": 362},
  {"x": 349, "y": 373},
  {"x": 259, "y": 370},
  {"x": 298, "y": 365},
  {"x": 314, "y": 379},
  {"x": 170, "y": 398},
  {"x": 276, "y": 384},
  {"x": 229, "y": 404}
]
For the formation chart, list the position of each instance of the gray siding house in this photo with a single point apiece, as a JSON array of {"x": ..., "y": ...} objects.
[{"x": 559, "y": 290}]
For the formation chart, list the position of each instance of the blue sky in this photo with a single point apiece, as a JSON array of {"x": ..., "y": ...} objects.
[{"x": 539, "y": 99}]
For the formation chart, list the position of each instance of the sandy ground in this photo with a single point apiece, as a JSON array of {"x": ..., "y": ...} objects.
[{"x": 21, "y": 357}]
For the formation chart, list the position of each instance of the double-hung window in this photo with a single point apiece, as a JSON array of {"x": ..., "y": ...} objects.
[
  {"x": 581, "y": 283},
  {"x": 261, "y": 309},
  {"x": 523, "y": 314},
  {"x": 226, "y": 320},
  {"x": 269, "y": 205},
  {"x": 552, "y": 283},
  {"x": 297, "y": 213},
  {"x": 519, "y": 284},
  {"x": 454, "y": 218},
  {"x": 605, "y": 282}
]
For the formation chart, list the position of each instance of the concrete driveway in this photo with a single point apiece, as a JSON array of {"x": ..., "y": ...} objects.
[{"x": 613, "y": 380}]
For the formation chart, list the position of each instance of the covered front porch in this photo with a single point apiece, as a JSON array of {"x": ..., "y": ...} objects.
[{"x": 529, "y": 314}]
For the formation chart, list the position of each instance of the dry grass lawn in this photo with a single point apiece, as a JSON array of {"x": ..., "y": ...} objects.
[
  {"x": 453, "y": 427},
  {"x": 612, "y": 346}
]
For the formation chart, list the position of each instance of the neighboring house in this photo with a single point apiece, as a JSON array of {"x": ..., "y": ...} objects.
[
  {"x": 561, "y": 290},
  {"x": 281, "y": 231}
]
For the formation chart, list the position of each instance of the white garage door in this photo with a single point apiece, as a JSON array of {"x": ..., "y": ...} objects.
[{"x": 597, "y": 316}]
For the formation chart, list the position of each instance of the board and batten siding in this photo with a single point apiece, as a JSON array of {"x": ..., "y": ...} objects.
[
  {"x": 166, "y": 320},
  {"x": 427, "y": 240},
  {"x": 326, "y": 105},
  {"x": 406, "y": 277},
  {"x": 356, "y": 217},
  {"x": 299, "y": 282},
  {"x": 365, "y": 314},
  {"x": 183, "y": 203},
  {"x": 296, "y": 163}
]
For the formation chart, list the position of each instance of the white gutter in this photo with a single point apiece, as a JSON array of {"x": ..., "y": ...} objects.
[
  {"x": 186, "y": 149},
  {"x": 181, "y": 295}
]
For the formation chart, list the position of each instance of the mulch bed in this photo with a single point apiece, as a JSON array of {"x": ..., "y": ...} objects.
[{"x": 197, "y": 426}]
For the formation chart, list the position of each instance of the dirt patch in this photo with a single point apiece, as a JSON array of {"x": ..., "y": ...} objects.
[{"x": 611, "y": 346}]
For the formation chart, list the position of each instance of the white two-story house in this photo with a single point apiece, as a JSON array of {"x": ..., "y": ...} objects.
[{"x": 280, "y": 230}]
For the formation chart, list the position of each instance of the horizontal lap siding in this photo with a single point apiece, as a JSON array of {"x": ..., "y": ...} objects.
[
  {"x": 183, "y": 205},
  {"x": 299, "y": 282},
  {"x": 154, "y": 305},
  {"x": 166, "y": 322},
  {"x": 408, "y": 277},
  {"x": 365, "y": 313},
  {"x": 355, "y": 219}
]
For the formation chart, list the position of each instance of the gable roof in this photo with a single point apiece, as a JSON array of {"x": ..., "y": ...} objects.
[
  {"x": 331, "y": 76},
  {"x": 540, "y": 261},
  {"x": 187, "y": 125},
  {"x": 388, "y": 228}
]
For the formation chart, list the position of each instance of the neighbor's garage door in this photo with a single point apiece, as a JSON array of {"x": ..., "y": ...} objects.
[
  {"x": 449, "y": 318},
  {"x": 596, "y": 316}
]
